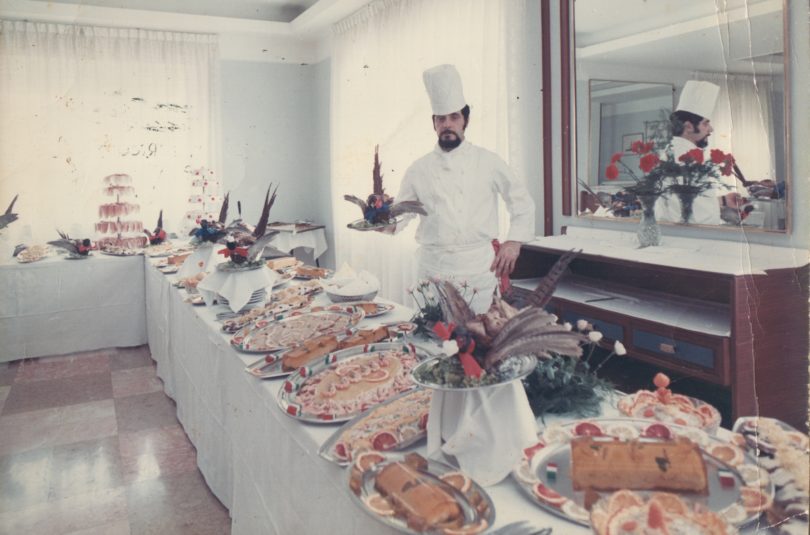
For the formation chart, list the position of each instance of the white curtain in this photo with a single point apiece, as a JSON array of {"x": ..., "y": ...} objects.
[
  {"x": 743, "y": 123},
  {"x": 378, "y": 98},
  {"x": 78, "y": 103}
]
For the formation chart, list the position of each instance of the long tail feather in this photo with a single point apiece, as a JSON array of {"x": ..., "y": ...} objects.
[
  {"x": 358, "y": 201},
  {"x": 11, "y": 206},
  {"x": 223, "y": 212},
  {"x": 376, "y": 175},
  {"x": 407, "y": 206},
  {"x": 542, "y": 294},
  {"x": 543, "y": 345},
  {"x": 160, "y": 220},
  {"x": 261, "y": 226}
]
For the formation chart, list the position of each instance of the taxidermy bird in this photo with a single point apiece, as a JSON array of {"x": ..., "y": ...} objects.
[
  {"x": 243, "y": 245},
  {"x": 505, "y": 330},
  {"x": 605, "y": 199},
  {"x": 74, "y": 247},
  {"x": 380, "y": 208},
  {"x": 158, "y": 235},
  {"x": 212, "y": 231},
  {"x": 8, "y": 217}
]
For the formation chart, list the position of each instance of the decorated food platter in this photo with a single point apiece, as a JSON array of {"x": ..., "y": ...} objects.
[
  {"x": 275, "y": 310},
  {"x": 663, "y": 405},
  {"x": 446, "y": 373},
  {"x": 232, "y": 267},
  {"x": 121, "y": 251},
  {"x": 282, "y": 279},
  {"x": 362, "y": 224},
  {"x": 416, "y": 495},
  {"x": 736, "y": 489},
  {"x": 303, "y": 272},
  {"x": 390, "y": 426},
  {"x": 345, "y": 383},
  {"x": 402, "y": 328},
  {"x": 371, "y": 308},
  {"x": 267, "y": 336},
  {"x": 196, "y": 300}
]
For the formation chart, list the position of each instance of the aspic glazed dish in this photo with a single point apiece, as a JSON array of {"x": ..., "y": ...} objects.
[
  {"x": 736, "y": 489},
  {"x": 346, "y": 383}
]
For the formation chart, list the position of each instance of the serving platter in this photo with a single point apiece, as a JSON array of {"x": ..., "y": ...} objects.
[
  {"x": 476, "y": 507},
  {"x": 363, "y": 225},
  {"x": 678, "y": 409},
  {"x": 268, "y": 336},
  {"x": 392, "y": 425},
  {"x": 511, "y": 369},
  {"x": 124, "y": 252},
  {"x": 273, "y": 310},
  {"x": 737, "y": 490},
  {"x": 371, "y": 308},
  {"x": 345, "y": 383},
  {"x": 231, "y": 267}
]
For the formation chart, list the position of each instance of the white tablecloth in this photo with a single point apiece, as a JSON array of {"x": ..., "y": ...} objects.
[
  {"x": 57, "y": 306},
  {"x": 313, "y": 240}
]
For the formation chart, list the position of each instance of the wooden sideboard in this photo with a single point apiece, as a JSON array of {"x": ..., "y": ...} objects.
[{"x": 734, "y": 316}]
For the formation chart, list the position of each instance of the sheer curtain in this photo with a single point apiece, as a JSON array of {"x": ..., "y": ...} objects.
[
  {"x": 78, "y": 103},
  {"x": 742, "y": 122},
  {"x": 378, "y": 99}
]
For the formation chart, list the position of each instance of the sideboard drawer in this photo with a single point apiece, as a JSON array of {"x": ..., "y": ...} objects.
[{"x": 688, "y": 352}]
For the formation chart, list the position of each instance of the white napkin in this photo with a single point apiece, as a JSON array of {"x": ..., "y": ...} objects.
[
  {"x": 486, "y": 430},
  {"x": 204, "y": 258},
  {"x": 347, "y": 282},
  {"x": 235, "y": 286}
]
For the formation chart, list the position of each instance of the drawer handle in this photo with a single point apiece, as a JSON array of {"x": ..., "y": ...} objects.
[{"x": 666, "y": 348}]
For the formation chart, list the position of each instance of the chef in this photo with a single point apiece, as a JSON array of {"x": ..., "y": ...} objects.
[
  {"x": 691, "y": 128},
  {"x": 459, "y": 183}
]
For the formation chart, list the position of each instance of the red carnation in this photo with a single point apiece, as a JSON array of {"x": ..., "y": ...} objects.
[
  {"x": 718, "y": 156},
  {"x": 616, "y": 157},
  {"x": 637, "y": 147},
  {"x": 648, "y": 162},
  {"x": 694, "y": 155},
  {"x": 727, "y": 168},
  {"x": 612, "y": 172},
  {"x": 648, "y": 146}
]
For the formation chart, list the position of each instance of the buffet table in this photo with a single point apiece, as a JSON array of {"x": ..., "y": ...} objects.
[
  {"x": 44, "y": 304},
  {"x": 261, "y": 463}
]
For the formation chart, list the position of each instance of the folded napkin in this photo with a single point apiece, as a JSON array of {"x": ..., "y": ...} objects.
[
  {"x": 346, "y": 282},
  {"x": 485, "y": 430},
  {"x": 235, "y": 286},
  {"x": 204, "y": 258}
]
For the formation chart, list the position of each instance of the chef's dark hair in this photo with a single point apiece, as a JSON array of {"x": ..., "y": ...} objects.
[
  {"x": 679, "y": 118},
  {"x": 465, "y": 112}
]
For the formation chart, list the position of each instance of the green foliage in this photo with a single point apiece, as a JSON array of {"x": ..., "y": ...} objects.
[{"x": 565, "y": 385}]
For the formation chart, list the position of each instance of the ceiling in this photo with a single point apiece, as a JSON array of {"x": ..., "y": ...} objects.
[{"x": 264, "y": 10}]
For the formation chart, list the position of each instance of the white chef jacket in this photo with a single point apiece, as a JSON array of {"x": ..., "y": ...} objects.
[
  {"x": 459, "y": 190},
  {"x": 706, "y": 207}
]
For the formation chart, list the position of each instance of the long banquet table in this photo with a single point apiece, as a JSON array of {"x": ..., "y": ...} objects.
[
  {"x": 45, "y": 304},
  {"x": 261, "y": 463}
]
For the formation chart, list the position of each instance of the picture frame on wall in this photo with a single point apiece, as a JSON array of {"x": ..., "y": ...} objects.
[{"x": 629, "y": 139}]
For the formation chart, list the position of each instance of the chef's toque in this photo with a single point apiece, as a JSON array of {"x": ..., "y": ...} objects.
[
  {"x": 698, "y": 98},
  {"x": 443, "y": 84}
]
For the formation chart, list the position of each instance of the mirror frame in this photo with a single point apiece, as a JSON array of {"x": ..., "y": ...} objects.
[{"x": 568, "y": 145}]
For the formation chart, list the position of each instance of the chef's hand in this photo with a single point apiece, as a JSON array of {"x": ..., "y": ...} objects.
[{"x": 504, "y": 262}]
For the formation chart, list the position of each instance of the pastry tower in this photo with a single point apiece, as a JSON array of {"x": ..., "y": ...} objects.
[
  {"x": 205, "y": 200},
  {"x": 114, "y": 228}
]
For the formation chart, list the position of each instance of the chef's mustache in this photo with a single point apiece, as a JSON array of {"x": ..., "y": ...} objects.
[{"x": 449, "y": 132}]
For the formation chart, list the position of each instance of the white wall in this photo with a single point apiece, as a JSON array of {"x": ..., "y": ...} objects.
[{"x": 275, "y": 128}]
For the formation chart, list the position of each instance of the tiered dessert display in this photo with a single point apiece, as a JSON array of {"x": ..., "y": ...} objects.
[
  {"x": 118, "y": 232},
  {"x": 379, "y": 209},
  {"x": 76, "y": 249},
  {"x": 206, "y": 196}
]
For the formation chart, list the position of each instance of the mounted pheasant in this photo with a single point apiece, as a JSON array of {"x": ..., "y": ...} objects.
[
  {"x": 76, "y": 248},
  {"x": 243, "y": 245},
  {"x": 484, "y": 340},
  {"x": 8, "y": 217},
  {"x": 379, "y": 208},
  {"x": 157, "y": 236}
]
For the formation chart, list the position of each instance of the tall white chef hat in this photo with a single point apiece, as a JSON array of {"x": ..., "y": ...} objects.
[
  {"x": 443, "y": 84},
  {"x": 698, "y": 98}
]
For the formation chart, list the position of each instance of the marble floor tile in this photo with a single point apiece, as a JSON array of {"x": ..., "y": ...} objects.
[
  {"x": 85, "y": 467},
  {"x": 24, "y": 478},
  {"x": 156, "y": 452},
  {"x": 8, "y": 370},
  {"x": 55, "y": 426},
  {"x": 130, "y": 357},
  {"x": 145, "y": 411},
  {"x": 180, "y": 504},
  {"x": 135, "y": 381},
  {"x": 75, "y": 513},
  {"x": 4, "y": 390},
  {"x": 63, "y": 366},
  {"x": 57, "y": 392}
]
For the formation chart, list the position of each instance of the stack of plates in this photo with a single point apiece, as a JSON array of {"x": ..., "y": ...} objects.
[{"x": 257, "y": 298}]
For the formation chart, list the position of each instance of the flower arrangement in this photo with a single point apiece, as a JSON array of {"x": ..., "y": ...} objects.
[
  {"x": 427, "y": 301},
  {"x": 563, "y": 384}
]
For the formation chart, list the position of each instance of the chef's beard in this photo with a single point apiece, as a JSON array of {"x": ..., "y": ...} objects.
[
  {"x": 702, "y": 143},
  {"x": 449, "y": 143}
]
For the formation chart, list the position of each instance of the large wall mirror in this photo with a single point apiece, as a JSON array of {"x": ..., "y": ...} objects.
[{"x": 632, "y": 60}]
